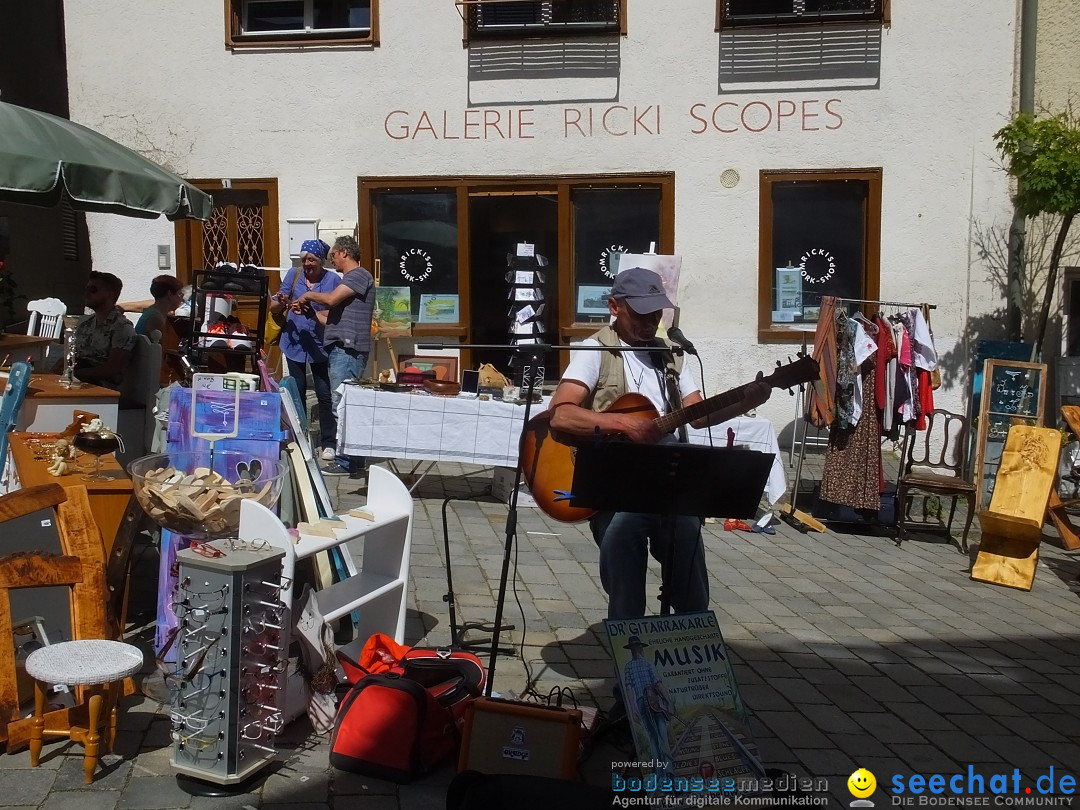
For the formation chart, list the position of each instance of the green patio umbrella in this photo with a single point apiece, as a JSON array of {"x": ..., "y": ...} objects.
[{"x": 42, "y": 156}]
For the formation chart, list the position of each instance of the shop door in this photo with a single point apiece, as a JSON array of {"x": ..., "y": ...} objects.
[
  {"x": 498, "y": 223},
  {"x": 242, "y": 228}
]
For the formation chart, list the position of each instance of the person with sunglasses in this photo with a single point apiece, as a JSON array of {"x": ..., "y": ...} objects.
[{"x": 104, "y": 339}]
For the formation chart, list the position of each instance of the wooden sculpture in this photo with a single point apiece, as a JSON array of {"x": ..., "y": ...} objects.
[{"x": 1012, "y": 526}]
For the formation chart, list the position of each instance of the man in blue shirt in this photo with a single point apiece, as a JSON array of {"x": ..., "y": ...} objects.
[{"x": 347, "y": 336}]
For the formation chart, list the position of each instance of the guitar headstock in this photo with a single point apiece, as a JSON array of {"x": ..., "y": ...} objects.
[{"x": 805, "y": 369}]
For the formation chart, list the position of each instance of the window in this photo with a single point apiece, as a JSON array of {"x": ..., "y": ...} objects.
[
  {"x": 293, "y": 22},
  {"x": 448, "y": 241},
  {"x": 607, "y": 221},
  {"x": 820, "y": 234},
  {"x": 732, "y": 13},
  {"x": 417, "y": 234},
  {"x": 542, "y": 18}
]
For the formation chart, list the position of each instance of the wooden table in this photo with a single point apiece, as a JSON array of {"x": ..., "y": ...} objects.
[
  {"x": 48, "y": 406},
  {"x": 22, "y": 346},
  {"x": 109, "y": 500}
]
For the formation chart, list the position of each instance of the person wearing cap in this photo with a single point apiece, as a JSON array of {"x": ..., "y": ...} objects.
[
  {"x": 347, "y": 337},
  {"x": 592, "y": 382},
  {"x": 647, "y": 702},
  {"x": 302, "y": 335}
]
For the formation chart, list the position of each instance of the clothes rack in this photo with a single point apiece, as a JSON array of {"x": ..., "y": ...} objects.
[
  {"x": 806, "y": 400},
  {"x": 904, "y": 304}
]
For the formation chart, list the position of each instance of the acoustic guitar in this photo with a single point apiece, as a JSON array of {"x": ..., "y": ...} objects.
[{"x": 547, "y": 456}]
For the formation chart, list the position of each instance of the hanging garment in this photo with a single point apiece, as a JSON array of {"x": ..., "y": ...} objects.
[
  {"x": 821, "y": 409},
  {"x": 883, "y": 382},
  {"x": 853, "y": 474},
  {"x": 903, "y": 409},
  {"x": 924, "y": 355},
  {"x": 847, "y": 371},
  {"x": 863, "y": 346},
  {"x": 916, "y": 417}
]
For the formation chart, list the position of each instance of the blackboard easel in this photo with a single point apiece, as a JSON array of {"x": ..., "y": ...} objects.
[{"x": 1013, "y": 392}]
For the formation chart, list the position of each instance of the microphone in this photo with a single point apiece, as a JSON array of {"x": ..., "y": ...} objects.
[{"x": 676, "y": 335}]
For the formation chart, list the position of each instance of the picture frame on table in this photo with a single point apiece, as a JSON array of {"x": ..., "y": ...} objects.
[
  {"x": 445, "y": 368},
  {"x": 591, "y": 300}
]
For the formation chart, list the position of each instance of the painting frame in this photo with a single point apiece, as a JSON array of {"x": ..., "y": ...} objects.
[
  {"x": 592, "y": 292},
  {"x": 436, "y": 308},
  {"x": 430, "y": 362}
]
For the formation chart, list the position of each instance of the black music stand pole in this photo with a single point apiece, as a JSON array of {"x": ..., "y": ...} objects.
[
  {"x": 669, "y": 480},
  {"x": 533, "y": 369}
]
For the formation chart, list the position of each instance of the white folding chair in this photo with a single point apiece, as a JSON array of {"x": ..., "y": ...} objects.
[{"x": 46, "y": 317}]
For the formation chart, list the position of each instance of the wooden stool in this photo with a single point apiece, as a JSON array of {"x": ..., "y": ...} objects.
[{"x": 98, "y": 664}]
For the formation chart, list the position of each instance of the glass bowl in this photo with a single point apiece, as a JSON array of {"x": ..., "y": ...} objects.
[{"x": 179, "y": 492}]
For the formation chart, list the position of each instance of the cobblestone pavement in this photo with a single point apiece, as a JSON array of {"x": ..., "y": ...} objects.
[{"x": 849, "y": 651}]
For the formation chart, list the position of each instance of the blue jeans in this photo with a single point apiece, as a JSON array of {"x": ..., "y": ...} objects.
[
  {"x": 346, "y": 364},
  {"x": 320, "y": 376},
  {"x": 625, "y": 540}
]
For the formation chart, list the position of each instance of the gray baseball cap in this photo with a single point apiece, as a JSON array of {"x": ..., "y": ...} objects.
[{"x": 643, "y": 290}]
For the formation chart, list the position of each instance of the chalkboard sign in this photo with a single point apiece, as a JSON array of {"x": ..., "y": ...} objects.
[{"x": 1013, "y": 393}]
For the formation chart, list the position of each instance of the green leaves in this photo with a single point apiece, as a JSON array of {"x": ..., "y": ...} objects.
[{"x": 1043, "y": 154}]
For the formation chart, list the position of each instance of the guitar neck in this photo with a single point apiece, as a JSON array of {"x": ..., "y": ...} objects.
[{"x": 684, "y": 416}]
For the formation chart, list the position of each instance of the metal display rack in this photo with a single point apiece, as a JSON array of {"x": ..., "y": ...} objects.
[
  {"x": 228, "y": 698},
  {"x": 216, "y": 282}
]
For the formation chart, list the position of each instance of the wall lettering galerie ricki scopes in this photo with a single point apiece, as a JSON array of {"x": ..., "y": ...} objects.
[{"x": 613, "y": 120}]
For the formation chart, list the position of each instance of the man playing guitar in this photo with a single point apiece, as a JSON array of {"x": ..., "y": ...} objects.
[{"x": 592, "y": 382}]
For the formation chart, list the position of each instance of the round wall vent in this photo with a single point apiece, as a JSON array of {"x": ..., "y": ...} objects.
[{"x": 729, "y": 178}]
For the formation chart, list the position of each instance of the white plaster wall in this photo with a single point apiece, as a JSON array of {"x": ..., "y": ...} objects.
[
  {"x": 1057, "y": 69},
  {"x": 158, "y": 78}
]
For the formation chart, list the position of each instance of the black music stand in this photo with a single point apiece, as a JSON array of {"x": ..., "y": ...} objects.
[{"x": 670, "y": 480}]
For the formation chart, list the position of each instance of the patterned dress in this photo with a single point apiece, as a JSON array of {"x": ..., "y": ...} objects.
[{"x": 853, "y": 474}]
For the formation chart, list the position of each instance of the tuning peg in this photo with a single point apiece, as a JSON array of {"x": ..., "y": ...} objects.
[
  {"x": 778, "y": 364},
  {"x": 791, "y": 392}
]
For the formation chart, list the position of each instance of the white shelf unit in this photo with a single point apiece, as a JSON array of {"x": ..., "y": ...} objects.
[{"x": 378, "y": 592}]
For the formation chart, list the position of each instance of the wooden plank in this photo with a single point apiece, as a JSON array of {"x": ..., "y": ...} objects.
[
  {"x": 1012, "y": 526},
  {"x": 1026, "y": 475},
  {"x": 24, "y": 501}
]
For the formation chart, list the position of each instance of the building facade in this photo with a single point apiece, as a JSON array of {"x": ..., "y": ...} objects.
[{"x": 783, "y": 149}]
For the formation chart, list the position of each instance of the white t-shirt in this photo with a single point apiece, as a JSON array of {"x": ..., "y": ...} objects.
[{"x": 641, "y": 375}]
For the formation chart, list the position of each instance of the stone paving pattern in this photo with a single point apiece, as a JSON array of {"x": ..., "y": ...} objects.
[{"x": 849, "y": 651}]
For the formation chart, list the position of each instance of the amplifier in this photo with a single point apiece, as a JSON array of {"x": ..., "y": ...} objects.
[{"x": 514, "y": 737}]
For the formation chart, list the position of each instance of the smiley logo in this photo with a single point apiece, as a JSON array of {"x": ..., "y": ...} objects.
[{"x": 861, "y": 783}]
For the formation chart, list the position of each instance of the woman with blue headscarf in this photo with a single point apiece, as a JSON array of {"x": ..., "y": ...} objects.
[{"x": 302, "y": 335}]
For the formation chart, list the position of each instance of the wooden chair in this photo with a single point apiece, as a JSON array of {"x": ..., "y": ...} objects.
[
  {"x": 93, "y": 664},
  {"x": 1012, "y": 525},
  {"x": 933, "y": 464},
  {"x": 46, "y": 317}
]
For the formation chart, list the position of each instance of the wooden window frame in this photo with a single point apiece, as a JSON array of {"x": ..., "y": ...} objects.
[
  {"x": 722, "y": 21},
  {"x": 468, "y": 34},
  {"x": 236, "y": 39},
  {"x": 562, "y": 185},
  {"x": 768, "y": 332}
]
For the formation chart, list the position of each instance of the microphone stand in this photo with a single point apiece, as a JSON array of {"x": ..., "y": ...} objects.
[{"x": 533, "y": 354}]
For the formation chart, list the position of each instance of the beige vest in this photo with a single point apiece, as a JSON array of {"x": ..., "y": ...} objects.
[{"x": 611, "y": 383}]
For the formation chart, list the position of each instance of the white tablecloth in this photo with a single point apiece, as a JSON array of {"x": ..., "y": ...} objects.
[
  {"x": 385, "y": 424},
  {"x": 418, "y": 426}
]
